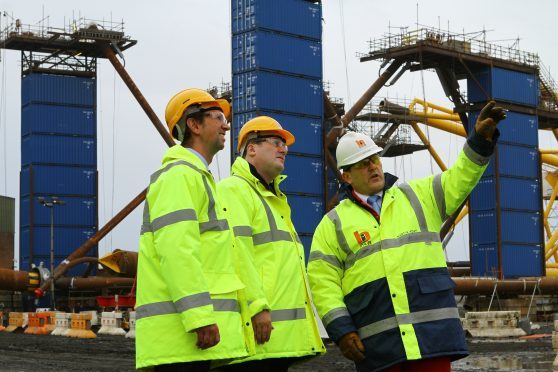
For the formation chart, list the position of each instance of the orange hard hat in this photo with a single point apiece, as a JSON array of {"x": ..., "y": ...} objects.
[
  {"x": 180, "y": 102},
  {"x": 263, "y": 125}
]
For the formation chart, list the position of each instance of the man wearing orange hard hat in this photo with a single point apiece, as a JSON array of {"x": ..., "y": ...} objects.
[
  {"x": 281, "y": 324},
  {"x": 188, "y": 310}
]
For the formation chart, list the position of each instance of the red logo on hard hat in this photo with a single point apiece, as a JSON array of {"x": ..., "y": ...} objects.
[
  {"x": 360, "y": 143},
  {"x": 362, "y": 237}
]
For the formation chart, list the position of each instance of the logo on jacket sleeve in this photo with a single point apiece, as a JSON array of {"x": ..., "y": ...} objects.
[{"x": 362, "y": 237}]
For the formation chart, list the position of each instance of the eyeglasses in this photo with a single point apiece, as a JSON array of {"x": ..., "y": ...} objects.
[
  {"x": 218, "y": 115},
  {"x": 278, "y": 143},
  {"x": 365, "y": 163}
]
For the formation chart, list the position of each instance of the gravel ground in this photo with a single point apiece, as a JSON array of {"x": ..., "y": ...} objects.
[{"x": 21, "y": 352}]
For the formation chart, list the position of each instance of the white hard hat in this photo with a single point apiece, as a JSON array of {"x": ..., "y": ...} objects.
[{"x": 353, "y": 147}]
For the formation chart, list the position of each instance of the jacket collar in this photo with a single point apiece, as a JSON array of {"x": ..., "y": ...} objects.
[
  {"x": 241, "y": 168},
  {"x": 347, "y": 190},
  {"x": 177, "y": 152}
]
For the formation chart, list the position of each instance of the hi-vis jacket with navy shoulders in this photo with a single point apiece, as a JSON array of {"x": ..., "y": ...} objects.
[
  {"x": 387, "y": 279},
  {"x": 186, "y": 275}
]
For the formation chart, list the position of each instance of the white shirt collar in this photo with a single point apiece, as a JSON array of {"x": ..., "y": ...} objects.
[
  {"x": 365, "y": 197},
  {"x": 199, "y": 156}
]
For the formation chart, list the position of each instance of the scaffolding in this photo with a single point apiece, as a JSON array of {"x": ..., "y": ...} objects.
[{"x": 72, "y": 49}]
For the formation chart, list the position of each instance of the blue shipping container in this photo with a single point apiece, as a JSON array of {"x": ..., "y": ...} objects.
[
  {"x": 58, "y": 89},
  {"x": 483, "y": 227},
  {"x": 307, "y": 131},
  {"x": 306, "y": 212},
  {"x": 67, "y": 150},
  {"x": 522, "y": 227},
  {"x": 272, "y": 51},
  {"x": 503, "y": 85},
  {"x": 304, "y": 175},
  {"x": 304, "y": 18},
  {"x": 58, "y": 180},
  {"x": 518, "y": 193},
  {"x": 518, "y": 161},
  {"x": 483, "y": 196},
  {"x": 515, "y": 193},
  {"x": 517, "y": 128},
  {"x": 78, "y": 211},
  {"x": 515, "y": 161},
  {"x": 484, "y": 260},
  {"x": 69, "y": 120},
  {"x": 262, "y": 90},
  {"x": 522, "y": 260},
  {"x": 66, "y": 240},
  {"x": 515, "y": 227}
]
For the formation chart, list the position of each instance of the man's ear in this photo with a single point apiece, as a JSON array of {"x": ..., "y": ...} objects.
[
  {"x": 193, "y": 125},
  {"x": 347, "y": 177}
]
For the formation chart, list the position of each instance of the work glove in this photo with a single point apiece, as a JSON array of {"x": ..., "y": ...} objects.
[
  {"x": 351, "y": 347},
  {"x": 261, "y": 322},
  {"x": 488, "y": 119},
  {"x": 208, "y": 336}
]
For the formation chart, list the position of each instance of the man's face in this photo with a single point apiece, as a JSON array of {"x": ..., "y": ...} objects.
[
  {"x": 269, "y": 155},
  {"x": 214, "y": 129},
  {"x": 366, "y": 176}
]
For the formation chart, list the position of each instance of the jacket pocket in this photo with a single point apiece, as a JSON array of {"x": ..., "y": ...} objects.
[
  {"x": 435, "y": 283},
  {"x": 359, "y": 299}
]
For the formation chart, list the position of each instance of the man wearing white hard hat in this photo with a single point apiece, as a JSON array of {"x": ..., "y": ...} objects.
[{"x": 377, "y": 267}]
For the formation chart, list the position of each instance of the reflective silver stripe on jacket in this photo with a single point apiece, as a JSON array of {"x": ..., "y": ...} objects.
[
  {"x": 415, "y": 204},
  {"x": 439, "y": 196},
  {"x": 168, "y": 307},
  {"x": 242, "y": 231},
  {"x": 223, "y": 304},
  {"x": 169, "y": 219},
  {"x": 426, "y": 237},
  {"x": 288, "y": 314},
  {"x": 190, "y": 302},
  {"x": 335, "y": 314},
  {"x": 213, "y": 224},
  {"x": 274, "y": 234},
  {"x": 334, "y": 217},
  {"x": 474, "y": 156},
  {"x": 329, "y": 258},
  {"x": 411, "y": 318}
]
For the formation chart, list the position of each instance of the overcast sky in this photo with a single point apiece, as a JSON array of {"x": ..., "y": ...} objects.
[{"x": 184, "y": 43}]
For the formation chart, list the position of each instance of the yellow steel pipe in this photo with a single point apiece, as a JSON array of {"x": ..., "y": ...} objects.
[
  {"x": 433, "y": 115},
  {"x": 447, "y": 125},
  {"x": 462, "y": 214},
  {"x": 548, "y": 151},
  {"x": 547, "y": 228},
  {"x": 429, "y": 146},
  {"x": 432, "y": 105},
  {"x": 550, "y": 159},
  {"x": 549, "y": 248}
]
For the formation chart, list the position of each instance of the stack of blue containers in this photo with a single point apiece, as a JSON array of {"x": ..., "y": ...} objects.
[
  {"x": 277, "y": 71},
  {"x": 506, "y": 223},
  {"x": 58, "y": 158}
]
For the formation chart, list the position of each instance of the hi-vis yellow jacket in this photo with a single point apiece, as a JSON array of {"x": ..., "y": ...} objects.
[
  {"x": 186, "y": 274},
  {"x": 271, "y": 261},
  {"x": 387, "y": 279}
]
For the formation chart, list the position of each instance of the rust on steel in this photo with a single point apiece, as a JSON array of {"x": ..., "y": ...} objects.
[
  {"x": 93, "y": 282},
  {"x": 11, "y": 280},
  {"x": 111, "y": 56},
  {"x": 95, "y": 238},
  {"x": 485, "y": 286}
]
